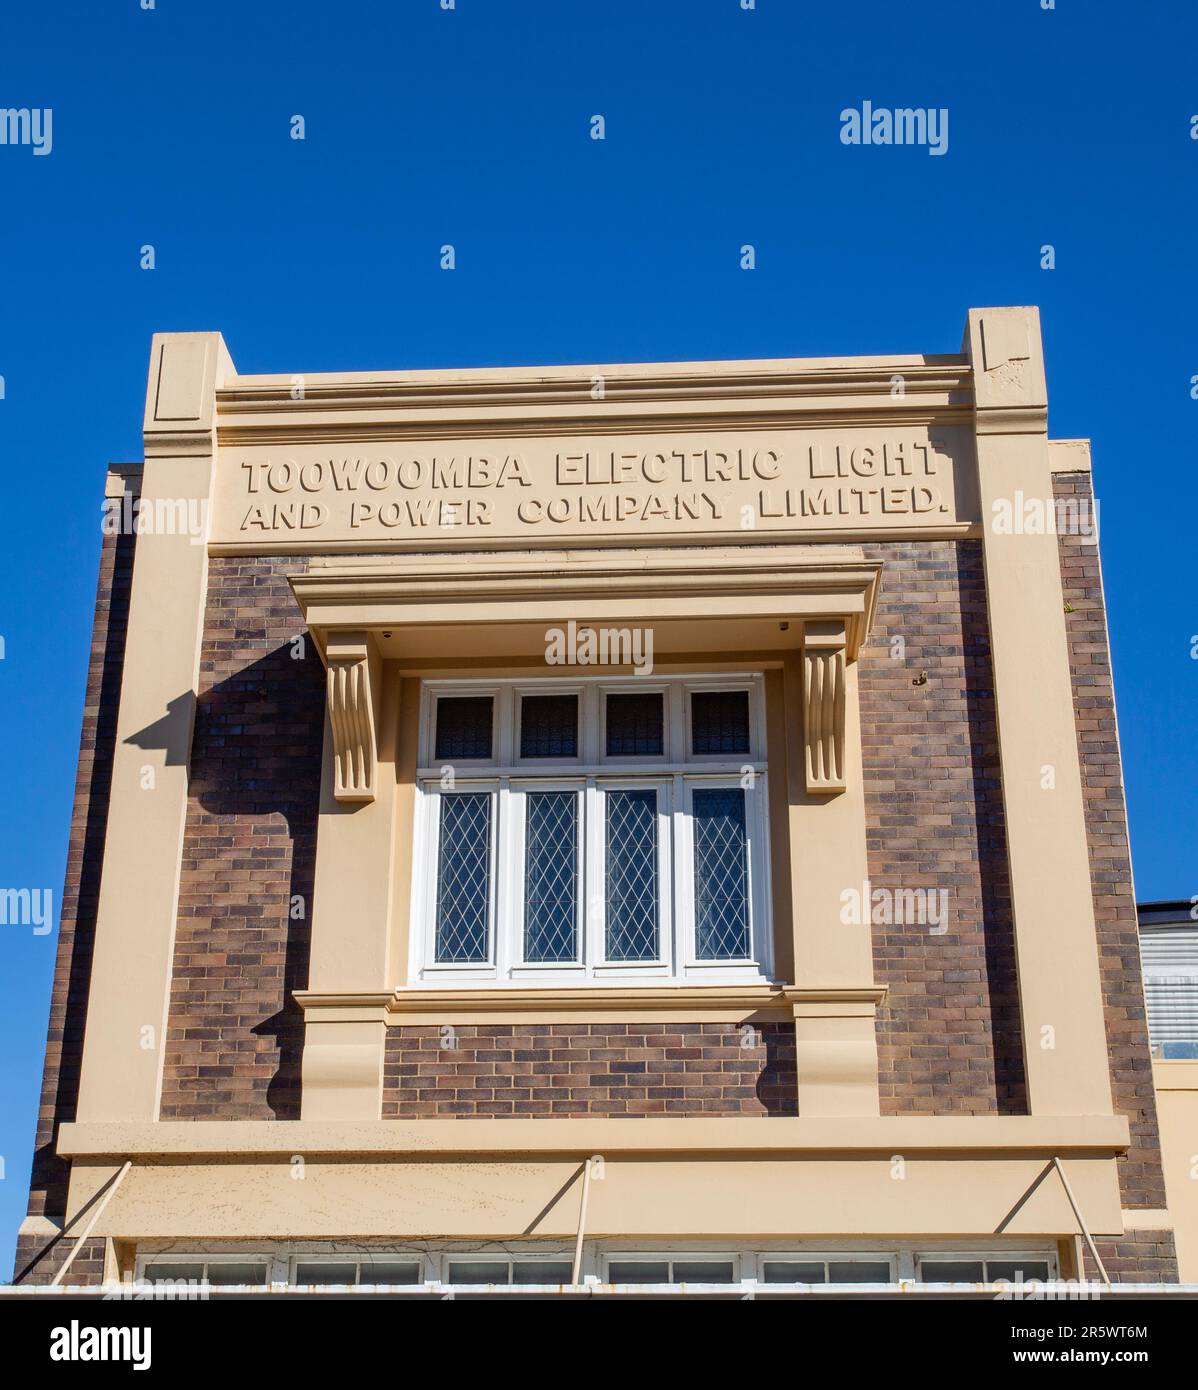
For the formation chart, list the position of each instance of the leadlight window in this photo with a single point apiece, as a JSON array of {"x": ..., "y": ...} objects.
[
  {"x": 549, "y": 726},
  {"x": 635, "y": 725},
  {"x": 720, "y": 721},
  {"x": 608, "y": 833},
  {"x": 464, "y": 727},
  {"x": 464, "y": 878}
]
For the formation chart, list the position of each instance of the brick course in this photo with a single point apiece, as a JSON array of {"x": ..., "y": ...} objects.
[
  {"x": 1139, "y": 1257},
  {"x": 628, "y": 1069},
  {"x": 235, "y": 1035},
  {"x": 949, "y": 1038}
]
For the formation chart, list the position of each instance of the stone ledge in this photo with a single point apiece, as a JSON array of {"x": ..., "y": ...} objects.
[{"x": 1096, "y": 1135}]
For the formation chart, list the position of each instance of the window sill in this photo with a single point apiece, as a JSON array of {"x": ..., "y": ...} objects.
[{"x": 619, "y": 1002}]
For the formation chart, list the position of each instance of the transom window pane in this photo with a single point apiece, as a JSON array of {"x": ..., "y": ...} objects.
[
  {"x": 542, "y": 1271},
  {"x": 638, "y": 1272},
  {"x": 464, "y": 880},
  {"x": 478, "y": 1271},
  {"x": 325, "y": 1272},
  {"x": 721, "y": 874},
  {"x": 549, "y": 726},
  {"x": 635, "y": 726},
  {"x": 671, "y": 1272},
  {"x": 720, "y": 721},
  {"x": 793, "y": 1272},
  {"x": 858, "y": 1272},
  {"x": 227, "y": 1272},
  {"x": 172, "y": 1271},
  {"x": 703, "y": 1271},
  {"x": 551, "y": 877},
  {"x": 391, "y": 1272},
  {"x": 951, "y": 1271},
  {"x": 632, "y": 894},
  {"x": 464, "y": 726},
  {"x": 1016, "y": 1271}
]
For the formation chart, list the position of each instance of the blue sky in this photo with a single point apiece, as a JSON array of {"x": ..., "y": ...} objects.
[{"x": 1068, "y": 127}]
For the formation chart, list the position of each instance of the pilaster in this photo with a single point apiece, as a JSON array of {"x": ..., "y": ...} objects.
[
  {"x": 1056, "y": 946},
  {"x": 129, "y": 997}
]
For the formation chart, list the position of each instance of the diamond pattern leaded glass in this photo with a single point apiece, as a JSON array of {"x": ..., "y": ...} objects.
[
  {"x": 463, "y": 878},
  {"x": 549, "y": 726},
  {"x": 551, "y": 877},
  {"x": 721, "y": 874},
  {"x": 720, "y": 721},
  {"x": 463, "y": 726},
  {"x": 635, "y": 726},
  {"x": 632, "y": 875}
]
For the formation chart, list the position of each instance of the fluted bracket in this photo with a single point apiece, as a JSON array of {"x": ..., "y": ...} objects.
[
  {"x": 824, "y": 655},
  {"x": 351, "y": 715}
]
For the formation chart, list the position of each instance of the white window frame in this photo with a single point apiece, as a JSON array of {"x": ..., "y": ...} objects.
[
  {"x": 502, "y": 1256},
  {"x": 207, "y": 1260},
  {"x": 986, "y": 1257},
  {"x": 825, "y": 1257},
  {"x": 464, "y": 970},
  {"x": 359, "y": 1262},
  {"x": 674, "y": 774},
  {"x": 513, "y": 954},
  {"x": 736, "y": 1258},
  {"x": 756, "y": 831}
]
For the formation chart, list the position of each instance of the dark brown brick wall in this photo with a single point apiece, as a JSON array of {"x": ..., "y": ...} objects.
[
  {"x": 1139, "y": 1257},
  {"x": 949, "y": 1038},
  {"x": 81, "y": 889},
  {"x": 627, "y": 1069},
  {"x": 1141, "y": 1178},
  {"x": 235, "y": 1035},
  {"x": 87, "y": 1268}
]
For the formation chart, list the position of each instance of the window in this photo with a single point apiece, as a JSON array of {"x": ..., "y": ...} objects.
[
  {"x": 201, "y": 1271},
  {"x": 464, "y": 726},
  {"x": 685, "y": 1269},
  {"x": 821, "y": 1271},
  {"x": 485, "y": 1270},
  {"x": 594, "y": 829},
  {"x": 945, "y": 1269},
  {"x": 325, "y": 1272},
  {"x": 1169, "y": 951},
  {"x": 549, "y": 726}
]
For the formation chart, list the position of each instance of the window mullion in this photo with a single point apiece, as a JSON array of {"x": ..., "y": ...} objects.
[
  {"x": 593, "y": 871},
  {"x": 680, "y": 948},
  {"x": 505, "y": 949}
]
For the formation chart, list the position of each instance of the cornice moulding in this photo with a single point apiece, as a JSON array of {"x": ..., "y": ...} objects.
[
  {"x": 789, "y": 582},
  {"x": 637, "y": 397}
]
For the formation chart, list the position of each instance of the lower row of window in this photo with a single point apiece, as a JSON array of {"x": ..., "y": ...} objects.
[{"x": 938, "y": 1268}]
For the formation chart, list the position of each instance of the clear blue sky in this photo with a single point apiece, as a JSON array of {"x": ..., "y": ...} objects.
[{"x": 171, "y": 127}]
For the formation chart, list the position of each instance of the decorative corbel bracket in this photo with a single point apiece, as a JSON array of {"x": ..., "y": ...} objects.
[
  {"x": 824, "y": 656},
  {"x": 349, "y": 657}
]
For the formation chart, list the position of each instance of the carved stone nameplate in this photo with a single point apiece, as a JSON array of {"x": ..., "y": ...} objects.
[{"x": 625, "y": 489}]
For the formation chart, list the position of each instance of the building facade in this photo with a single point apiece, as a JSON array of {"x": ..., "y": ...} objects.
[{"x": 653, "y": 824}]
